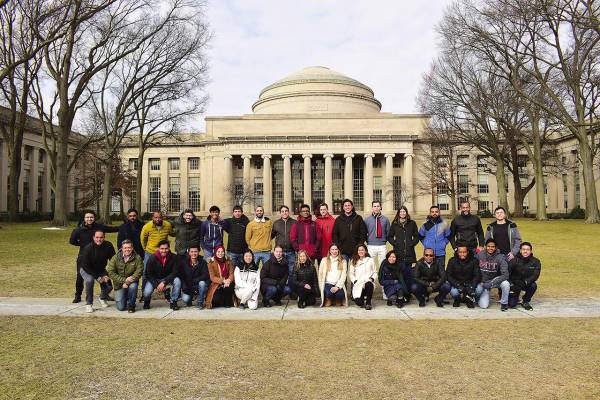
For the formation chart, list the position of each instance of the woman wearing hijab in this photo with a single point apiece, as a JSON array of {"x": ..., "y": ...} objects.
[
  {"x": 220, "y": 292},
  {"x": 247, "y": 281},
  {"x": 362, "y": 273},
  {"x": 304, "y": 280},
  {"x": 332, "y": 278},
  {"x": 392, "y": 280}
]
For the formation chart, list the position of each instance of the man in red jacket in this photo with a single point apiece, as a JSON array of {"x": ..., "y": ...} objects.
[
  {"x": 325, "y": 223},
  {"x": 304, "y": 234}
]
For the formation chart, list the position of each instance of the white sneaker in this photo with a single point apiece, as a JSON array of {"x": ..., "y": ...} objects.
[
  {"x": 103, "y": 303},
  {"x": 89, "y": 308}
]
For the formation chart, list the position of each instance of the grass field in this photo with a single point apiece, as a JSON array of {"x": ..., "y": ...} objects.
[
  {"x": 36, "y": 262},
  {"x": 133, "y": 359}
]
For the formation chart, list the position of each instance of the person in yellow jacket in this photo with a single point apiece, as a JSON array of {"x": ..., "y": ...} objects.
[
  {"x": 258, "y": 236},
  {"x": 153, "y": 232}
]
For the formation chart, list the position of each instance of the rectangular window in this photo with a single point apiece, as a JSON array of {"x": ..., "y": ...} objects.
[
  {"x": 397, "y": 162},
  {"x": 133, "y": 193},
  {"x": 376, "y": 163},
  {"x": 318, "y": 182},
  {"x": 173, "y": 164},
  {"x": 481, "y": 162},
  {"x": 565, "y": 192},
  {"x": 397, "y": 191},
  {"x": 258, "y": 163},
  {"x": 26, "y": 190},
  {"x": 154, "y": 164},
  {"x": 133, "y": 164},
  {"x": 483, "y": 205},
  {"x": 358, "y": 181},
  {"x": 338, "y": 167},
  {"x": 378, "y": 188},
  {"x": 194, "y": 193},
  {"x": 40, "y": 193},
  {"x": 27, "y": 153},
  {"x": 115, "y": 202},
  {"x": 41, "y": 156},
  {"x": 463, "y": 184},
  {"x": 154, "y": 194},
  {"x": 258, "y": 191},
  {"x": 277, "y": 184},
  {"x": 238, "y": 191},
  {"x": 442, "y": 161},
  {"x": 174, "y": 193},
  {"x": 462, "y": 161},
  {"x": 577, "y": 188},
  {"x": 442, "y": 188},
  {"x": 194, "y": 163}
]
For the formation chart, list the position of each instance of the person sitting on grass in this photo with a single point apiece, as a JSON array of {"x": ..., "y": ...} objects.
[
  {"x": 195, "y": 279},
  {"x": 362, "y": 273},
  {"x": 92, "y": 267},
  {"x": 222, "y": 280},
  {"x": 332, "y": 278},
  {"x": 391, "y": 280},
  {"x": 304, "y": 280},
  {"x": 493, "y": 272},
  {"x": 430, "y": 277},
  {"x": 162, "y": 275},
  {"x": 274, "y": 277},
  {"x": 247, "y": 281},
  {"x": 524, "y": 272},
  {"x": 463, "y": 275},
  {"x": 125, "y": 270}
]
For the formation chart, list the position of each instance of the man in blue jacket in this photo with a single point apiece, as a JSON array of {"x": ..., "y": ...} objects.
[{"x": 435, "y": 234}]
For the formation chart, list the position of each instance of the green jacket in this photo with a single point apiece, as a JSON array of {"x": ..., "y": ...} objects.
[{"x": 119, "y": 270}]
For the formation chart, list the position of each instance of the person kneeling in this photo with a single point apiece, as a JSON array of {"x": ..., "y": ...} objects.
[
  {"x": 247, "y": 281},
  {"x": 161, "y": 274},
  {"x": 430, "y": 277},
  {"x": 125, "y": 270},
  {"x": 222, "y": 280},
  {"x": 493, "y": 273},
  {"x": 195, "y": 279},
  {"x": 274, "y": 277},
  {"x": 362, "y": 274},
  {"x": 332, "y": 278},
  {"x": 524, "y": 271},
  {"x": 304, "y": 280},
  {"x": 463, "y": 275},
  {"x": 392, "y": 280}
]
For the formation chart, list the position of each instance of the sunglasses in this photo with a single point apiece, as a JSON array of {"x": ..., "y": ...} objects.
[{"x": 428, "y": 255}]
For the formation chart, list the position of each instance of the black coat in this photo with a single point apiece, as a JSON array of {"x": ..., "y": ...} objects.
[
  {"x": 236, "y": 230},
  {"x": 303, "y": 275},
  {"x": 84, "y": 234},
  {"x": 425, "y": 274},
  {"x": 463, "y": 273},
  {"x": 186, "y": 233},
  {"x": 404, "y": 238},
  {"x": 274, "y": 273},
  {"x": 191, "y": 276},
  {"x": 157, "y": 273},
  {"x": 93, "y": 258},
  {"x": 131, "y": 231},
  {"x": 524, "y": 271},
  {"x": 348, "y": 232},
  {"x": 467, "y": 230}
]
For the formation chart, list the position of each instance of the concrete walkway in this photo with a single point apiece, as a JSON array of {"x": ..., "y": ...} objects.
[{"x": 544, "y": 308}]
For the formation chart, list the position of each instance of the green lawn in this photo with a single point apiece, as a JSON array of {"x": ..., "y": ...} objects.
[{"x": 37, "y": 262}]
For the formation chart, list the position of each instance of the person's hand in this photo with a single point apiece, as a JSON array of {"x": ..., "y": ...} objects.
[
  {"x": 334, "y": 289},
  {"x": 227, "y": 282},
  {"x": 487, "y": 285},
  {"x": 510, "y": 256},
  {"x": 104, "y": 279},
  {"x": 306, "y": 286},
  {"x": 314, "y": 218},
  {"x": 429, "y": 289},
  {"x": 161, "y": 287},
  {"x": 125, "y": 286},
  {"x": 129, "y": 279},
  {"x": 479, "y": 249}
]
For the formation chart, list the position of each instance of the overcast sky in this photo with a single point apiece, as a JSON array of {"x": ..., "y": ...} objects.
[{"x": 386, "y": 45}]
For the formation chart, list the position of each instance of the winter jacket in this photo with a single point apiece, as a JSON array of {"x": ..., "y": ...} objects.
[
  {"x": 391, "y": 279},
  {"x": 371, "y": 223},
  {"x": 192, "y": 275},
  {"x": 211, "y": 234},
  {"x": 467, "y": 230},
  {"x": 514, "y": 237},
  {"x": 84, "y": 234},
  {"x": 119, "y": 270},
  {"x": 186, "y": 233},
  {"x": 305, "y": 274},
  {"x": 305, "y": 236},
  {"x": 361, "y": 272},
  {"x": 281, "y": 232},
  {"x": 93, "y": 258},
  {"x": 274, "y": 273},
  {"x": 236, "y": 231},
  {"x": 131, "y": 231},
  {"x": 524, "y": 271},
  {"x": 348, "y": 232},
  {"x": 152, "y": 234},
  {"x": 216, "y": 279},
  {"x": 258, "y": 235},
  {"x": 341, "y": 283},
  {"x": 403, "y": 238},
  {"x": 429, "y": 273},
  {"x": 247, "y": 284},
  {"x": 434, "y": 233},
  {"x": 325, "y": 227},
  {"x": 156, "y": 272},
  {"x": 492, "y": 267},
  {"x": 463, "y": 273}
]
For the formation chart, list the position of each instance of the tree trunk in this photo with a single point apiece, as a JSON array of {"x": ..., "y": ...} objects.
[
  {"x": 591, "y": 200},
  {"x": 61, "y": 206},
  {"x": 540, "y": 197},
  {"x": 106, "y": 193},
  {"x": 14, "y": 172},
  {"x": 138, "y": 181},
  {"x": 501, "y": 179},
  {"x": 519, "y": 194}
]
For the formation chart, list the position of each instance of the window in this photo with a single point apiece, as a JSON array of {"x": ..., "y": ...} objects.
[
  {"x": 378, "y": 188},
  {"x": 397, "y": 191},
  {"x": 115, "y": 202},
  {"x": 173, "y": 164},
  {"x": 577, "y": 188},
  {"x": 238, "y": 162},
  {"x": 442, "y": 161},
  {"x": 174, "y": 194},
  {"x": 318, "y": 182},
  {"x": 40, "y": 193},
  {"x": 481, "y": 162},
  {"x": 258, "y": 163},
  {"x": 397, "y": 163},
  {"x": 26, "y": 190},
  {"x": 565, "y": 192},
  {"x": 462, "y": 161},
  {"x": 463, "y": 184},
  {"x": 358, "y": 180},
  {"x": 154, "y": 194},
  {"x": 277, "y": 184},
  {"x": 442, "y": 188},
  {"x": 41, "y": 156},
  {"x": 194, "y": 164},
  {"x": 238, "y": 191},
  {"x": 258, "y": 191},
  {"x": 154, "y": 164},
  {"x": 483, "y": 205},
  {"x": 522, "y": 165},
  {"x": 337, "y": 166},
  {"x": 376, "y": 163},
  {"x": 483, "y": 188},
  {"x": 133, "y": 193},
  {"x": 194, "y": 193},
  {"x": 133, "y": 164},
  {"x": 27, "y": 153}
]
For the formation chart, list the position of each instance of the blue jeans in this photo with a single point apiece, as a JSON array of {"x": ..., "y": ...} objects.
[
  {"x": 201, "y": 291},
  {"x": 290, "y": 257},
  {"x": 483, "y": 295},
  {"x": 236, "y": 258},
  {"x": 126, "y": 297},
  {"x": 88, "y": 281},
  {"x": 271, "y": 293},
  {"x": 175, "y": 287},
  {"x": 513, "y": 298},
  {"x": 339, "y": 295},
  {"x": 454, "y": 292},
  {"x": 208, "y": 254},
  {"x": 261, "y": 256}
]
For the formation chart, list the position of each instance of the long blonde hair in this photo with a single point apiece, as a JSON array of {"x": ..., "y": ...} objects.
[
  {"x": 308, "y": 260},
  {"x": 339, "y": 259}
]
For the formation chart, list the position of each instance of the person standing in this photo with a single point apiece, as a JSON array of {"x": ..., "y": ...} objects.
[
  {"x": 362, "y": 273},
  {"x": 162, "y": 274},
  {"x": 403, "y": 237},
  {"x": 378, "y": 227},
  {"x": 430, "y": 277},
  {"x": 131, "y": 229},
  {"x": 524, "y": 272},
  {"x": 325, "y": 222},
  {"x": 274, "y": 278},
  {"x": 466, "y": 228},
  {"x": 304, "y": 281},
  {"x": 211, "y": 232},
  {"x": 125, "y": 270},
  {"x": 236, "y": 231},
  {"x": 493, "y": 273},
  {"x": 304, "y": 234},
  {"x": 332, "y": 274},
  {"x": 282, "y": 229},
  {"x": 194, "y": 276},
  {"x": 349, "y": 230},
  {"x": 258, "y": 236},
  {"x": 505, "y": 233},
  {"x": 247, "y": 281},
  {"x": 81, "y": 237},
  {"x": 154, "y": 232},
  {"x": 92, "y": 267},
  {"x": 186, "y": 228},
  {"x": 435, "y": 234}
]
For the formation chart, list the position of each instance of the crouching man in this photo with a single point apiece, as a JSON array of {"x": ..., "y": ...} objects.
[
  {"x": 524, "y": 271},
  {"x": 125, "y": 270},
  {"x": 92, "y": 267},
  {"x": 463, "y": 275},
  {"x": 161, "y": 274},
  {"x": 195, "y": 279},
  {"x": 493, "y": 272}
]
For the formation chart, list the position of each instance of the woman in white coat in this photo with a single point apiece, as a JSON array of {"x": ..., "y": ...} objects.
[
  {"x": 363, "y": 274},
  {"x": 247, "y": 281},
  {"x": 332, "y": 278}
]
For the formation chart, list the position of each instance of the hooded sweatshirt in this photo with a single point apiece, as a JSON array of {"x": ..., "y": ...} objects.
[
  {"x": 492, "y": 267},
  {"x": 211, "y": 234}
]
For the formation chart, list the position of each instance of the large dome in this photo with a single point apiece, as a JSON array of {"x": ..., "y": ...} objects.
[{"x": 316, "y": 90}]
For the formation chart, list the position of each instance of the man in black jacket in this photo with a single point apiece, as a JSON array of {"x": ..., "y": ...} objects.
[
  {"x": 161, "y": 274},
  {"x": 524, "y": 272},
  {"x": 463, "y": 275},
  {"x": 82, "y": 236},
  {"x": 92, "y": 267},
  {"x": 131, "y": 230},
  {"x": 273, "y": 278},
  {"x": 349, "y": 230},
  {"x": 186, "y": 228},
  {"x": 430, "y": 277},
  {"x": 236, "y": 231},
  {"x": 466, "y": 228},
  {"x": 195, "y": 279}
]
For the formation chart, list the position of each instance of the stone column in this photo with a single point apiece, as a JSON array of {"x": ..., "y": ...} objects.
[
  {"x": 246, "y": 180},
  {"x": 228, "y": 182},
  {"x": 348, "y": 176},
  {"x": 328, "y": 180},
  {"x": 183, "y": 183},
  {"x": 33, "y": 180},
  {"x": 307, "y": 179},
  {"x": 368, "y": 182},
  {"x": 407, "y": 180},
  {"x": 164, "y": 182},
  {"x": 388, "y": 183},
  {"x": 287, "y": 179},
  {"x": 267, "y": 185}
]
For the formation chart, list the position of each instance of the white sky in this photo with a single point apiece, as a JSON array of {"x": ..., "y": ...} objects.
[{"x": 387, "y": 45}]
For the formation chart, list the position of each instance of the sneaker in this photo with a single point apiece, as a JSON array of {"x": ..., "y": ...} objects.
[
  {"x": 146, "y": 305},
  {"x": 368, "y": 306},
  {"x": 389, "y": 302},
  {"x": 77, "y": 299},
  {"x": 174, "y": 306},
  {"x": 438, "y": 301},
  {"x": 108, "y": 298},
  {"x": 503, "y": 307},
  {"x": 422, "y": 303},
  {"x": 456, "y": 303},
  {"x": 103, "y": 303},
  {"x": 267, "y": 304},
  {"x": 89, "y": 308},
  {"x": 527, "y": 306},
  {"x": 400, "y": 303},
  {"x": 201, "y": 306},
  {"x": 242, "y": 306},
  {"x": 168, "y": 294},
  {"x": 277, "y": 303},
  {"x": 301, "y": 304},
  {"x": 131, "y": 310}
]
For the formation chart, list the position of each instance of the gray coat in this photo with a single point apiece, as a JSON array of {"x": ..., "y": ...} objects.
[
  {"x": 372, "y": 238},
  {"x": 514, "y": 237}
]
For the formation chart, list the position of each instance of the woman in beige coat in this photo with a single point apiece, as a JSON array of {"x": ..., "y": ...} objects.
[
  {"x": 363, "y": 274},
  {"x": 332, "y": 278}
]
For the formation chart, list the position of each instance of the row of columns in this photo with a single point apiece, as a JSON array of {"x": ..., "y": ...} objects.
[{"x": 407, "y": 178}]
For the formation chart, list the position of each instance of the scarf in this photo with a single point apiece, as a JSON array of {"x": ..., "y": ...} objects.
[
  {"x": 379, "y": 234},
  {"x": 221, "y": 263}
]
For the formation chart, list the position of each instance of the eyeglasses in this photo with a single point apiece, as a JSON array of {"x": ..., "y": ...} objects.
[{"x": 428, "y": 255}]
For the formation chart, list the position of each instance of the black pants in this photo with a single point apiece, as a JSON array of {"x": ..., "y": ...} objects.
[
  {"x": 78, "y": 280},
  {"x": 223, "y": 297},
  {"x": 366, "y": 294},
  {"x": 307, "y": 296}
]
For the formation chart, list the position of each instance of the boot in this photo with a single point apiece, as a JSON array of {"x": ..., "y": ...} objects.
[
  {"x": 400, "y": 302},
  {"x": 327, "y": 302},
  {"x": 339, "y": 302},
  {"x": 77, "y": 298},
  {"x": 438, "y": 301},
  {"x": 146, "y": 305}
]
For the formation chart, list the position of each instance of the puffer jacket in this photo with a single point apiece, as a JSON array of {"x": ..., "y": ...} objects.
[
  {"x": 305, "y": 274},
  {"x": 524, "y": 271},
  {"x": 305, "y": 236},
  {"x": 119, "y": 270},
  {"x": 186, "y": 233},
  {"x": 391, "y": 279},
  {"x": 403, "y": 238},
  {"x": 435, "y": 234}
]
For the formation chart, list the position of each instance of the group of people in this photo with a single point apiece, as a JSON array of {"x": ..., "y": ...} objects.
[{"x": 314, "y": 259}]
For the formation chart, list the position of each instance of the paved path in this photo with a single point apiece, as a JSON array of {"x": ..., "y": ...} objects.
[{"x": 544, "y": 308}]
